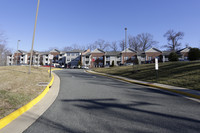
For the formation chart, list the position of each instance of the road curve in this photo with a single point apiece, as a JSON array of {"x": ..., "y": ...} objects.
[{"x": 94, "y": 104}]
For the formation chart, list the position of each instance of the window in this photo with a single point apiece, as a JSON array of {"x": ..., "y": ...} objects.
[
  {"x": 72, "y": 54},
  {"x": 68, "y": 59},
  {"x": 107, "y": 58},
  {"x": 150, "y": 57},
  {"x": 87, "y": 57},
  {"x": 133, "y": 57},
  {"x": 87, "y": 62},
  {"x": 72, "y": 59},
  {"x": 77, "y": 54},
  {"x": 100, "y": 58},
  {"x": 126, "y": 58},
  {"x": 94, "y": 58},
  {"x": 68, "y": 54}
]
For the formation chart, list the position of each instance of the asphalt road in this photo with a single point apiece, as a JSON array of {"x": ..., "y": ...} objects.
[{"x": 94, "y": 104}]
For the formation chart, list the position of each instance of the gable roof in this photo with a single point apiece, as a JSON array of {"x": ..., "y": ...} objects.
[
  {"x": 186, "y": 49},
  {"x": 128, "y": 50},
  {"x": 54, "y": 50},
  {"x": 97, "y": 50},
  {"x": 114, "y": 53},
  {"x": 153, "y": 50},
  {"x": 20, "y": 51}
]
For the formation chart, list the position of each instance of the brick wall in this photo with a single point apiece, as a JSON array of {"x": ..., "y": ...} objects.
[
  {"x": 153, "y": 55},
  {"x": 97, "y": 61},
  {"x": 129, "y": 55}
]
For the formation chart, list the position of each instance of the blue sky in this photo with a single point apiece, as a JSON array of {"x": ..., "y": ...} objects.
[{"x": 67, "y": 22}]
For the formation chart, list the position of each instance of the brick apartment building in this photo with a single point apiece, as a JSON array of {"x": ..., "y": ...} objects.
[{"x": 95, "y": 58}]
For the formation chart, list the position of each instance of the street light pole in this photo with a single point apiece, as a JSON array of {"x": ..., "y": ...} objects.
[
  {"x": 125, "y": 41},
  {"x": 33, "y": 36},
  {"x": 17, "y": 50}
]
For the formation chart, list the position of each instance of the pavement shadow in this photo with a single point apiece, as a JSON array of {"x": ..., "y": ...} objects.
[{"x": 135, "y": 113}]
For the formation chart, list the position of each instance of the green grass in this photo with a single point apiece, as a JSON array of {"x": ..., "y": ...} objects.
[{"x": 181, "y": 74}]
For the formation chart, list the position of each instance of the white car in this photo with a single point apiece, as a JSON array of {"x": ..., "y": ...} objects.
[{"x": 85, "y": 67}]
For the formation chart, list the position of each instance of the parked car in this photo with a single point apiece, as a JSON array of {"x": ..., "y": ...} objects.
[
  {"x": 85, "y": 67},
  {"x": 73, "y": 67}
]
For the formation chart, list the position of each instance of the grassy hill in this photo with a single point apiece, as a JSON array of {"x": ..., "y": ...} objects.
[
  {"x": 182, "y": 74},
  {"x": 17, "y": 87}
]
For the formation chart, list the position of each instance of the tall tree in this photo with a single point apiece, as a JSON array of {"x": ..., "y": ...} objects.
[
  {"x": 101, "y": 44},
  {"x": 91, "y": 46},
  {"x": 146, "y": 41},
  {"x": 173, "y": 38},
  {"x": 67, "y": 48},
  {"x": 114, "y": 46},
  {"x": 4, "y": 51},
  {"x": 122, "y": 45},
  {"x": 134, "y": 43}
]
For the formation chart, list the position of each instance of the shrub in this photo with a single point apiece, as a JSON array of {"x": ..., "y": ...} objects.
[
  {"x": 173, "y": 56},
  {"x": 194, "y": 54}
]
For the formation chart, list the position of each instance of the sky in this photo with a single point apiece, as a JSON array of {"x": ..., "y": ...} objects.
[{"x": 64, "y": 23}]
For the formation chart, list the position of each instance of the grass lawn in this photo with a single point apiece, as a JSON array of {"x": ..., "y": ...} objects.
[
  {"x": 181, "y": 74},
  {"x": 17, "y": 87}
]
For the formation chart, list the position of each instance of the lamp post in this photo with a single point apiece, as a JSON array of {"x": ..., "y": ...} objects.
[
  {"x": 33, "y": 36},
  {"x": 17, "y": 50},
  {"x": 125, "y": 42}
]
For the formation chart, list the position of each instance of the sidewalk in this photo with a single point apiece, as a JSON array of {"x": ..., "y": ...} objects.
[{"x": 183, "y": 91}]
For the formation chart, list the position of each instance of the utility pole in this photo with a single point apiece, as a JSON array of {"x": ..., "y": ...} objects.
[
  {"x": 17, "y": 50},
  {"x": 125, "y": 42},
  {"x": 33, "y": 36}
]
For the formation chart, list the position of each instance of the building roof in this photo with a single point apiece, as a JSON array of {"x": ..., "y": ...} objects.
[
  {"x": 73, "y": 51},
  {"x": 166, "y": 52},
  {"x": 54, "y": 50},
  {"x": 186, "y": 49},
  {"x": 20, "y": 51},
  {"x": 114, "y": 53},
  {"x": 97, "y": 50},
  {"x": 43, "y": 53},
  {"x": 153, "y": 50},
  {"x": 129, "y": 50}
]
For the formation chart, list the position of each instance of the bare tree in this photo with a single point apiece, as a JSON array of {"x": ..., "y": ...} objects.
[
  {"x": 91, "y": 46},
  {"x": 173, "y": 38},
  {"x": 146, "y": 41},
  {"x": 122, "y": 44},
  {"x": 134, "y": 43},
  {"x": 101, "y": 44},
  {"x": 114, "y": 46},
  {"x": 4, "y": 51},
  {"x": 67, "y": 48}
]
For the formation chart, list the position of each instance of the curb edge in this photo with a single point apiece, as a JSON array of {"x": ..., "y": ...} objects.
[
  {"x": 12, "y": 116},
  {"x": 171, "y": 90}
]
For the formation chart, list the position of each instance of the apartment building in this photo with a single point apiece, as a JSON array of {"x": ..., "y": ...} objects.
[
  {"x": 95, "y": 58},
  {"x": 153, "y": 53},
  {"x": 10, "y": 60},
  {"x": 114, "y": 56},
  {"x": 72, "y": 58},
  {"x": 128, "y": 55},
  {"x": 86, "y": 58},
  {"x": 183, "y": 53}
]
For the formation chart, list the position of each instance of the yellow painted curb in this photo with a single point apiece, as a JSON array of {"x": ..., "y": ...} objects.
[
  {"x": 172, "y": 90},
  {"x": 9, "y": 118}
]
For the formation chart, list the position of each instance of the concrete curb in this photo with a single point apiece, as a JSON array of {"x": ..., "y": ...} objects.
[
  {"x": 9, "y": 118},
  {"x": 192, "y": 95}
]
